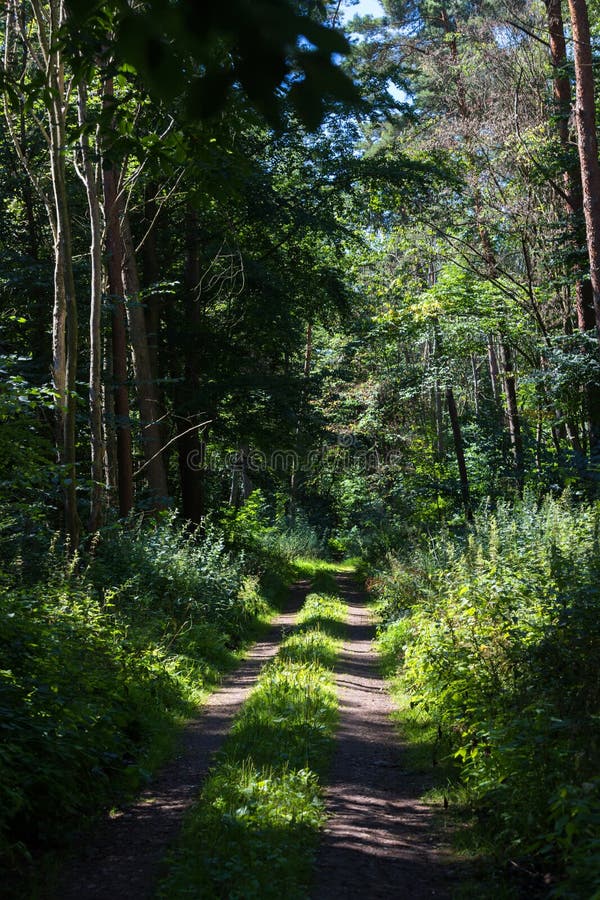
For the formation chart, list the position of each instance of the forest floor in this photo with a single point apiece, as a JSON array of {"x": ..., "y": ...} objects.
[
  {"x": 124, "y": 859},
  {"x": 381, "y": 840}
]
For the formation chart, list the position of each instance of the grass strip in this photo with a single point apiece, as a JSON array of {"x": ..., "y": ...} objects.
[{"x": 255, "y": 828}]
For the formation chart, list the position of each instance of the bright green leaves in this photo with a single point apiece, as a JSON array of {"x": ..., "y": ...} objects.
[
  {"x": 499, "y": 641},
  {"x": 100, "y": 660}
]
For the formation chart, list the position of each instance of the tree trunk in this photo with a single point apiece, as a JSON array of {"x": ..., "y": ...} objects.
[
  {"x": 247, "y": 486},
  {"x": 151, "y": 270},
  {"x": 147, "y": 394},
  {"x": 584, "y": 295},
  {"x": 512, "y": 410},
  {"x": 556, "y": 437},
  {"x": 494, "y": 370},
  {"x": 560, "y": 81},
  {"x": 190, "y": 445},
  {"x": 475, "y": 371},
  {"x": 49, "y": 63},
  {"x": 585, "y": 116},
  {"x": 539, "y": 439},
  {"x": 241, "y": 484},
  {"x": 439, "y": 420},
  {"x": 119, "y": 343},
  {"x": 191, "y": 451},
  {"x": 460, "y": 453},
  {"x": 95, "y": 377},
  {"x": 578, "y": 454},
  {"x": 65, "y": 325},
  {"x": 110, "y": 436},
  {"x": 308, "y": 349}
]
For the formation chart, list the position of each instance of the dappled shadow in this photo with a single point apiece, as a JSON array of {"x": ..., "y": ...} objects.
[
  {"x": 380, "y": 840},
  {"x": 123, "y": 860}
]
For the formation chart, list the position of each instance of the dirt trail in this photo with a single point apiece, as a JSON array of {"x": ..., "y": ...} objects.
[
  {"x": 124, "y": 859},
  {"x": 379, "y": 840}
]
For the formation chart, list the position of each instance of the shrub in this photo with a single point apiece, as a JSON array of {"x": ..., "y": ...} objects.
[
  {"x": 250, "y": 531},
  {"x": 499, "y": 638},
  {"x": 100, "y": 659}
]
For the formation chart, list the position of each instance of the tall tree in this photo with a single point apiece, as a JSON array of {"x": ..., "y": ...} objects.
[
  {"x": 145, "y": 383},
  {"x": 585, "y": 117},
  {"x": 47, "y": 57},
  {"x": 89, "y": 176}
]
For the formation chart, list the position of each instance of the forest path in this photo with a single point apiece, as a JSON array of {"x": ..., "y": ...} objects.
[
  {"x": 124, "y": 858},
  {"x": 380, "y": 838}
]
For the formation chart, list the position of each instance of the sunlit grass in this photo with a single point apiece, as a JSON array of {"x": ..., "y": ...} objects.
[
  {"x": 308, "y": 567},
  {"x": 255, "y": 827}
]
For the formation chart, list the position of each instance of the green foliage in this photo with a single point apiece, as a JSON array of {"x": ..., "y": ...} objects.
[
  {"x": 29, "y": 473},
  {"x": 498, "y": 640},
  {"x": 250, "y": 530},
  {"x": 173, "y": 573},
  {"x": 254, "y": 829},
  {"x": 101, "y": 659},
  {"x": 227, "y": 45},
  {"x": 575, "y": 816}
]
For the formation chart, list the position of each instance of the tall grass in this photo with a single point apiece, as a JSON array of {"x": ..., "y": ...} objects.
[
  {"x": 497, "y": 639},
  {"x": 101, "y": 660}
]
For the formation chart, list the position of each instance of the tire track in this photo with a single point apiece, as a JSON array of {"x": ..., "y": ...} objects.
[
  {"x": 123, "y": 861},
  {"x": 380, "y": 838}
]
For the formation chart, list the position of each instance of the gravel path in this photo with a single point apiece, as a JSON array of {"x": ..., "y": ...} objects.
[
  {"x": 379, "y": 841},
  {"x": 124, "y": 859}
]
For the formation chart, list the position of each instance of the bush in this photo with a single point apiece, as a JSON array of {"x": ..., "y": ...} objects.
[
  {"x": 251, "y": 532},
  {"x": 100, "y": 659},
  {"x": 172, "y": 573},
  {"x": 499, "y": 638}
]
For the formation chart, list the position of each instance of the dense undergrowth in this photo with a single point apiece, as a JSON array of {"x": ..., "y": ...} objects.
[
  {"x": 105, "y": 655},
  {"x": 497, "y": 640},
  {"x": 255, "y": 827}
]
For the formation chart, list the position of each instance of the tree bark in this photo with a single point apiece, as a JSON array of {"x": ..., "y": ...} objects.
[
  {"x": 584, "y": 295},
  {"x": 241, "y": 484},
  {"x": 65, "y": 324},
  {"x": 190, "y": 445},
  {"x": 191, "y": 450},
  {"x": 439, "y": 421},
  {"x": 512, "y": 410},
  {"x": 119, "y": 345},
  {"x": 147, "y": 394},
  {"x": 460, "y": 453},
  {"x": 560, "y": 82},
  {"x": 475, "y": 371},
  {"x": 48, "y": 61},
  {"x": 151, "y": 272},
  {"x": 110, "y": 436},
  {"x": 585, "y": 116},
  {"x": 95, "y": 326},
  {"x": 308, "y": 350},
  {"x": 494, "y": 370}
]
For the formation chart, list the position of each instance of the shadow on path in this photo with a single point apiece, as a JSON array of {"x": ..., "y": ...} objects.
[
  {"x": 380, "y": 840},
  {"x": 124, "y": 858}
]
